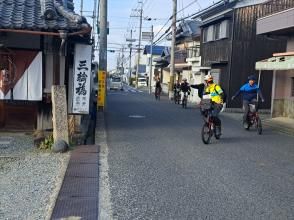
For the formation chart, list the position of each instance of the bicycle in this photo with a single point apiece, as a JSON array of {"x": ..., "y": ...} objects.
[
  {"x": 157, "y": 93},
  {"x": 185, "y": 100},
  {"x": 253, "y": 119},
  {"x": 208, "y": 128}
]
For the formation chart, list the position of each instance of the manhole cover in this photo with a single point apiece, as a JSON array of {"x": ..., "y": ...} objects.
[{"x": 137, "y": 116}]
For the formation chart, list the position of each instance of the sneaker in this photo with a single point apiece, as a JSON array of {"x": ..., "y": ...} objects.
[{"x": 246, "y": 125}]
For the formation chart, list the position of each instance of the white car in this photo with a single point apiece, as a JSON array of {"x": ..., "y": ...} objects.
[
  {"x": 116, "y": 83},
  {"x": 142, "y": 82}
]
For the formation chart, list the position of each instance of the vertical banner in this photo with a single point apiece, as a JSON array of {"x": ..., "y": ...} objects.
[
  {"x": 101, "y": 89},
  {"x": 82, "y": 79}
]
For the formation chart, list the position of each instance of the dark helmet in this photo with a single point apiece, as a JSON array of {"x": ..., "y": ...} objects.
[{"x": 252, "y": 77}]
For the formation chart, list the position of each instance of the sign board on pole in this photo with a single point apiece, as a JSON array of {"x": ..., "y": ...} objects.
[
  {"x": 101, "y": 89},
  {"x": 82, "y": 79},
  {"x": 147, "y": 36}
]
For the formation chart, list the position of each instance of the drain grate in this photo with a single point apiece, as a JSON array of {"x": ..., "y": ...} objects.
[
  {"x": 84, "y": 208},
  {"x": 78, "y": 196}
]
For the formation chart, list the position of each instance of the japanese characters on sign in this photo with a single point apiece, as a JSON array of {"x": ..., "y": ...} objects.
[
  {"x": 82, "y": 77},
  {"x": 101, "y": 88}
]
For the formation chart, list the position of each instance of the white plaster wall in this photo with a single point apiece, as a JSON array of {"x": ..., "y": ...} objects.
[{"x": 284, "y": 85}]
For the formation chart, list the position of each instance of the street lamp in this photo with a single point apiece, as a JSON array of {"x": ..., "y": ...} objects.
[{"x": 151, "y": 36}]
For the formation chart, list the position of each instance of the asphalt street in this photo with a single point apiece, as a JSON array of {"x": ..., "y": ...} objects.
[{"x": 160, "y": 169}]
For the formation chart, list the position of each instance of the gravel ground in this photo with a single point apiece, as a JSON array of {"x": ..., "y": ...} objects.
[{"x": 30, "y": 179}]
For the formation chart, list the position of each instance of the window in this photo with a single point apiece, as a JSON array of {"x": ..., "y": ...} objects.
[
  {"x": 224, "y": 29},
  {"x": 210, "y": 33},
  {"x": 116, "y": 79},
  {"x": 292, "y": 89},
  {"x": 205, "y": 35},
  {"x": 193, "y": 52},
  {"x": 217, "y": 30}
]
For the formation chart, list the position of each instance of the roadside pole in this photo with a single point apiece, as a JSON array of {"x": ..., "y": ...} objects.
[
  {"x": 172, "y": 59},
  {"x": 139, "y": 49},
  {"x": 130, "y": 45},
  {"x": 151, "y": 53},
  {"x": 82, "y": 6},
  {"x": 102, "y": 54}
]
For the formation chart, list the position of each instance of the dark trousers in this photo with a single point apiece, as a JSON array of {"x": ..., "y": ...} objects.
[
  {"x": 216, "y": 108},
  {"x": 246, "y": 107}
]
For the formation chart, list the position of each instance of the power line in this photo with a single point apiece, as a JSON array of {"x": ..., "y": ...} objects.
[{"x": 189, "y": 5}]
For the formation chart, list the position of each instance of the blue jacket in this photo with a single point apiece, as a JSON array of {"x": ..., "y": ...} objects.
[{"x": 249, "y": 92}]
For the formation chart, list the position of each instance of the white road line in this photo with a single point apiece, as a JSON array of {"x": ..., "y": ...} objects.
[{"x": 105, "y": 205}]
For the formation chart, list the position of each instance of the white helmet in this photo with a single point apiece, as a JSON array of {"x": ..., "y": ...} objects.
[{"x": 208, "y": 77}]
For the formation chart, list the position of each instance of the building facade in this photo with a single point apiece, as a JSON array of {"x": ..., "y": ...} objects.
[
  {"x": 280, "y": 25},
  {"x": 230, "y": 47}
]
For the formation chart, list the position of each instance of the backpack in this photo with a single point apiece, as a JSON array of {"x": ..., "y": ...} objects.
[{"x": 224, "y": 96}]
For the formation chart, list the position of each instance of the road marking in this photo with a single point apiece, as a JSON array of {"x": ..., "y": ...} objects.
[
  {"x": 105, "y": 205},
  {"x": 6, "y": 140},
  {"x": 137, "y": 116}
]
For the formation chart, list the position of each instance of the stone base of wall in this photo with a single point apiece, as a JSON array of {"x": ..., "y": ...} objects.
[{"x": 283, "y": 108}]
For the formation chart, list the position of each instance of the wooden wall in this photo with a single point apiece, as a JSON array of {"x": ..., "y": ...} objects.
[{"x": 248, "y": 48}]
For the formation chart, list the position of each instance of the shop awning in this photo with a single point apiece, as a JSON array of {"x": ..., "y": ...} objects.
[{"x": 280, "y": 61}]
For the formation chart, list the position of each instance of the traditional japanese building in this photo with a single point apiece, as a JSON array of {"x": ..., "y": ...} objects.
[{"x": 37, "y": 50}]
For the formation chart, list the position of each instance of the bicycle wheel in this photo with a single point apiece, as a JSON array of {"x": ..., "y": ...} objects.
[
  {"x": 258, "y": 126},
  {"x": 206, "y": 133}
]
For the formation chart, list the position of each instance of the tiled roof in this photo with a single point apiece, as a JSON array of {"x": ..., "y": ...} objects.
[{"x": 40, "y": 15}]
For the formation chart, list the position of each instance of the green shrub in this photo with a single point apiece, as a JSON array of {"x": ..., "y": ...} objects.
[{"x": 47, "y": 143}]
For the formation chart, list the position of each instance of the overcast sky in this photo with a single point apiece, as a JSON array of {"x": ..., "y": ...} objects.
[{"x": 120, "y": 22}]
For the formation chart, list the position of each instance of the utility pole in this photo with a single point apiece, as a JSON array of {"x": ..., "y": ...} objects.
[
  {"x": 151, "y": 53},
  {"x": 82, "y": 5},
  {"x": 130, "y": 60},
  {"x": 172, "y": 58},
  {"x": 122, "y": 60},
  {"x": 103, "y": 40},
  {"x": 94, "y": 18},
  {"x": 139, "y": 49}
]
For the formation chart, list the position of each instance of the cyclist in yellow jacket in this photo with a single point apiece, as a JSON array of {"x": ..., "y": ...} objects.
[{"x": 216, "y": 94}]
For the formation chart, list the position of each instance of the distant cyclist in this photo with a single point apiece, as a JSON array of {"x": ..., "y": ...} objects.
[
  {"x": 216, "y": 94},
  {"x": 177, "y": 89},
  {"x": 185, "y": 89},
  {"x": 249, "y": 91},
  {"x": 158, "y": 88}
]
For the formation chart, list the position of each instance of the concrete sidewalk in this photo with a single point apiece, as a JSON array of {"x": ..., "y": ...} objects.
[{"x": 280, "y": 124}]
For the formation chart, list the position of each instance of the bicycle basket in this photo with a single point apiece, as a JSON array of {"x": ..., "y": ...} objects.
[
  {"x": 252, "y": 108},
  {"x": 205, "y": 104}
]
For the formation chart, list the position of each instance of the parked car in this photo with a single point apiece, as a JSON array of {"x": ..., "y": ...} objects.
[
  {"x": 142, "y": 82},
  {"x": 116, "y": 83}
]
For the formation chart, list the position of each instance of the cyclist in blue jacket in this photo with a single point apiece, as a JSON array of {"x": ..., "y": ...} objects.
[{"x": 249, "y": 91}]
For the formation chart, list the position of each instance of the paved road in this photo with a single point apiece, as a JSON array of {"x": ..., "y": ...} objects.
[{"x": 160, "y": 169}]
